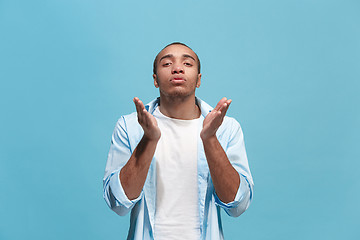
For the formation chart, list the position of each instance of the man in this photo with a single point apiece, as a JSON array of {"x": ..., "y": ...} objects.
[{"x": 176, "y": 162}]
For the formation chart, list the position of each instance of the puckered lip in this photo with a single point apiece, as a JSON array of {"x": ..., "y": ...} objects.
[{"x": 177, "y": 79}]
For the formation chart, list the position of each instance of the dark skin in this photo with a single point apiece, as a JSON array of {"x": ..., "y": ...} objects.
[{"x": 225, "y": 178}]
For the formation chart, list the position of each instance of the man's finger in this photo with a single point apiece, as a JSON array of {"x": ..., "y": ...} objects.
[
  {"x": 137, "y": 105},
  {"x": 220, "y": 103},
  {"x": 142, "y": 111},
  {"x": 228, "y": 102},
  {"x": 139, "y": 108},
  {"x": 225, "y": 107}
]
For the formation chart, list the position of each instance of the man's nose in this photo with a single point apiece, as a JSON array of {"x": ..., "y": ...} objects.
[{"x": 177, "y": 69}]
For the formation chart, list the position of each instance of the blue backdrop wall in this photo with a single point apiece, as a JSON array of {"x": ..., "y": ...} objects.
[{"x": 69, "y": 69}]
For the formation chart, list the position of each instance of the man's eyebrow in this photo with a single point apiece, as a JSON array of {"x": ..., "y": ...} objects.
[
  {"x": 171, "y": 55},
  {"x": 189, "y": 56},
  {"x": 166, "y": 56}
]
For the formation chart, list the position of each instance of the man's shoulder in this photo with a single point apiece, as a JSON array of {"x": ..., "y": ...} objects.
[
  {"x": 230, "y": 123},
  {"x": 231, "y": 120},
  {"x": 128, "y": 121},
  {"x": 129, "y": 117}
]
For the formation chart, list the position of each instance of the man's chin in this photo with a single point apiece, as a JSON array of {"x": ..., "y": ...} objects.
[{"x": 177, "y": 94}]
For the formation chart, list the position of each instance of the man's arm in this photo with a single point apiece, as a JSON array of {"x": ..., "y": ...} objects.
[
  {"x": 122, "y": 191},
  {"x": 133, "y": 174},
  {"x": 225, "y": 178}
]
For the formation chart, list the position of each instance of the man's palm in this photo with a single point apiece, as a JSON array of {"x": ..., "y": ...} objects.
[
  {"x": 147, "y": 121},
  {"x": 214, "y": 119}
]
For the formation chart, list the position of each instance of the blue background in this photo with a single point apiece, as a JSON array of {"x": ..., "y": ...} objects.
[{"x": 69, "y": 69}]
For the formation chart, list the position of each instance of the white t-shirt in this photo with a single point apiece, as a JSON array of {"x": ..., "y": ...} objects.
[{"x": 177, "y": 211}]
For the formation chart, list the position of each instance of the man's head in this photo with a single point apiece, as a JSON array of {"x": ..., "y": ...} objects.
[
  {"x": 174, "y": 43},
  {"x": 177, "y": 71}
]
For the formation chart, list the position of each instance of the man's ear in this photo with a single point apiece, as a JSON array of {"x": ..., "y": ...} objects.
[
  {"x": 198, "y": 83},
  {"x": 156, "y": 84}
]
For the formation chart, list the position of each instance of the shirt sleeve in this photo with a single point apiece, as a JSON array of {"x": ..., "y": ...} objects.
[
  {"x": 119, "y": 154},
  {"x": 236, "y": 154}
]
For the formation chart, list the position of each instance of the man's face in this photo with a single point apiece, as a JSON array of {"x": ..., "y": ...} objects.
[{"x": 177, "y": 72}]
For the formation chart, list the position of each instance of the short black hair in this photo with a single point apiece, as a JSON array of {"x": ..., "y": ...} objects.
[{"x": 174, "y": 43}]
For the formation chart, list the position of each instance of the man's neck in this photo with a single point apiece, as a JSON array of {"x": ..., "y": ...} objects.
[{"x": 179, "y": 108}]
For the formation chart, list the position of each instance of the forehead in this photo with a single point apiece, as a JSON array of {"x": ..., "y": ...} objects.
[{"x": 177, "y": 50}]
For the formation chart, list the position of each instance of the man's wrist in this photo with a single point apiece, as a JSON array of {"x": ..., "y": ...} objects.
[
  {"x": 208, "y": 138},
  {"x": 152, "y": 138}
]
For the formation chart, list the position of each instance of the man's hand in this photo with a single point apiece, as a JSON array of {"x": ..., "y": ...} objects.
[
  {"x": 214, "y": 119},
  {"x": 147, "y": 121}
]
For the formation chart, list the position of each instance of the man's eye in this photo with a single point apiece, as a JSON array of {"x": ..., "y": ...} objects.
[
  {"x": 166, "y": 64},
  {"x": 188, "y": 64}
]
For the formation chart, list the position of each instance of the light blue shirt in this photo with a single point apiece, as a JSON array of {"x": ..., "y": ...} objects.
[{"x": 127, "y": 135}]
